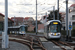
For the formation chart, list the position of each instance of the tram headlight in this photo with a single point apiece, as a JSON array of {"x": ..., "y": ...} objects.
[
  {"x": 58, "y": 33},
  {"x": 19, "y": 32},
  {"x": 50, "y": 34}
]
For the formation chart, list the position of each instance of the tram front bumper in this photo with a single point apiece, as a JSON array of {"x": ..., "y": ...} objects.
[{"x": 54, "y": 36}]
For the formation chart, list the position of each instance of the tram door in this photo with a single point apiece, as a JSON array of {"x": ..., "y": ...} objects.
[{"x": 46, "y": 31}]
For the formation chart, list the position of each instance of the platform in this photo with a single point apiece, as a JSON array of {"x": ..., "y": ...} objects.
[{"x": 15, "y": 46}]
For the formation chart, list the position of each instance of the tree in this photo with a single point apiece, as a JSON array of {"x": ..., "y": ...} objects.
[{"x": 50, "y": 16}]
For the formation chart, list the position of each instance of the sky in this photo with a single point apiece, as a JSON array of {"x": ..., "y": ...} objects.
[{"x": 27, "y": 8}]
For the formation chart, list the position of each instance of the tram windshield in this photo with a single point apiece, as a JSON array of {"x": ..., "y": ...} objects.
[
  {"x": 55, "y": 28},
  {"x": 22, "y": 28}
]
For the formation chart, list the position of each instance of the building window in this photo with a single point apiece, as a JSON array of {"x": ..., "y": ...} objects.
[
  {"x": 1, "y": 26},
  {"x": 73, "y": 17},
  {"x": 73, "y": 24}
]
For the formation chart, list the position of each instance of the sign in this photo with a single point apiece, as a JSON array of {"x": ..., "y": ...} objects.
[
  {"x": 55, "y": 22},
  {"x": 70, "y": 26}
]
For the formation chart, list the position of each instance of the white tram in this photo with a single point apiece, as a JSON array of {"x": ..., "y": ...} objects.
[
  {"x": 52, "y": 29},
  {"x": 17, "y": 29}
]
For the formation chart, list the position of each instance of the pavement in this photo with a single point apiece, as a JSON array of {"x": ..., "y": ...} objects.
[
  {"x": 50, "y": 46},
  {"x": 15, "y": 46}
]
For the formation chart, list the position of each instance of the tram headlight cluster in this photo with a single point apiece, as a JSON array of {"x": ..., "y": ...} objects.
[
  {"x": 58, "y": 33},
  {"x": 50, "y": 34}
]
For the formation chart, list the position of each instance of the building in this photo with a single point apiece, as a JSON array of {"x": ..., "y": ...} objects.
[
  {"x": 29, "y": 21},
  {"x": 2, "y": 17},
  {"x": 63, "y": 20},
  {"x": 18, "y": 20},
  {"x": 71, "y": 16},
  {"x": 40, "y": 27}
]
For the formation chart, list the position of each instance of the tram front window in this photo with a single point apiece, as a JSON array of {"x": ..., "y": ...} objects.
[
  {"x": 55, "y": 28},
  {"x": 22, "y": 28}
]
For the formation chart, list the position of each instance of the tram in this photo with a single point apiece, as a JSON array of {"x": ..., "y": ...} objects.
[
  {"x": 52, "y": 29},
  {"x": 17, "y": 29}
]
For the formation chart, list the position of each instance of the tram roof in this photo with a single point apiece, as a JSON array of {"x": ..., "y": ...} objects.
[{"x": 16, "y": 26}]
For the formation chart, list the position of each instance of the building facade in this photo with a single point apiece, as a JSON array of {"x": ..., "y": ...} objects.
[
  {"x": 29, "y": 21},
  {"x": 71, "y": 16},
  {"x": 18, "y": 20},
  {"x": 2, "y": 17}
]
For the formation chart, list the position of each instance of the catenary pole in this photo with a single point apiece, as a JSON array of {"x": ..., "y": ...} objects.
[
  {"x": 46, "y": 16},
  {"x": 53, "y": 12},
  {"x": 58, "y": 9},
  {"x": 4, "y": 34},
  {"x": 36, "y": 17},
  {"x": 14, "y": 20},
  {"x": 66, "y": 20}
]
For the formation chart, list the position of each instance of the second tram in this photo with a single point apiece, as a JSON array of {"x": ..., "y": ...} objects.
[{"x": 17, "y": 29}]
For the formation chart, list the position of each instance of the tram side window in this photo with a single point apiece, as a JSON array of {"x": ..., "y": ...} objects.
[
  {"x": 20, "y": 29},
  {"x": 23, "y": 28},
  {"x": 48, "y": 29},
  {"x": 45, "y": 29}
]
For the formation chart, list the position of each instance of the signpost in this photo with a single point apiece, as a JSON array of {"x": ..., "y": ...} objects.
[{"x": 70, "y": 27}]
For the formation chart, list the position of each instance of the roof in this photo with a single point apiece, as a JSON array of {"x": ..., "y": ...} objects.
[
  {"x": 18, "y": 19},
  {"x": 11, "y": 19},
  {"x": 26, "y": 18},
  {"x": 47, "y": 23},
  {"x": 4, "y": 16},
  {"x": 72, "y": 5}
]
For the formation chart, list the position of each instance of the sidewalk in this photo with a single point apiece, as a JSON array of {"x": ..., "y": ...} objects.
[{"x": 15, "y": 46}]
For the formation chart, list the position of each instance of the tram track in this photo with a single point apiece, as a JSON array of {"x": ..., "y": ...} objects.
[
  {"x": 32, "y": 41},
  {"x": 63, "y": 45}
]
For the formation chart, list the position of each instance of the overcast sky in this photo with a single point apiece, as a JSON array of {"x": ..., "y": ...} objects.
[{"x": 27, "y": 8}]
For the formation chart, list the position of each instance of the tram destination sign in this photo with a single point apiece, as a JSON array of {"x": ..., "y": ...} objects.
[{"x": 55, "y": 22}]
